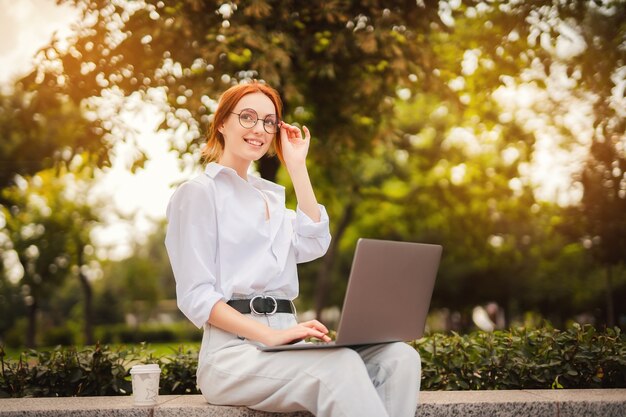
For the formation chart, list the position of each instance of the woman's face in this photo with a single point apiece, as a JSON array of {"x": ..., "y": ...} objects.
[{"x": 243, "y": 144}]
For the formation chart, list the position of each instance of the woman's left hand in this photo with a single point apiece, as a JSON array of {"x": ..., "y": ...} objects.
[{"x": 294, "y": 146}]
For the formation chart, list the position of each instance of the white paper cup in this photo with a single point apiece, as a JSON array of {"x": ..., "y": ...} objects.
[{"x": 145, "y": 380}]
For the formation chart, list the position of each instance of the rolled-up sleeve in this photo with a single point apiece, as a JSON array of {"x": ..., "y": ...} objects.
[
  {"x": 310, "y": 239},
  {"x": 191, "y": 247}
]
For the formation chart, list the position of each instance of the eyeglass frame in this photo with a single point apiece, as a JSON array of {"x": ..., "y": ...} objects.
[{"x": 257, "y": 120}]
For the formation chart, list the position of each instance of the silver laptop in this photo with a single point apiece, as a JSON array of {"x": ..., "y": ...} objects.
[{"x": 388, "y": 295}]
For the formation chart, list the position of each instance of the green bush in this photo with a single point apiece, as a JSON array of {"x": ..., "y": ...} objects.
[
  {"x": 16, "y": 335},
  {"x": 67, "y": 372},
  {"x": 58, "y": 336},
  {"x": 150, "y": 333},
  {"x": 178, "y": 372},
  {"x": 579, "y": 357}
]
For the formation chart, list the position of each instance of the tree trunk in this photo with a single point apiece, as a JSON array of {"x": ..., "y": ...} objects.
[
  {"x": 323, "y": 276},
  {"x": 31, "y": 331},
  {"x": 610, "y": 310},
  {"x": 88, "y": 294},
  {"x": 89, "y": 340}
]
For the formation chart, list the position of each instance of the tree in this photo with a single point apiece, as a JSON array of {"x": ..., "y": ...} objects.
[
  {"x": 49, "y": 225},
  {"x": 604, "y": 174},
  {"x": 141, "y": 280},
  {"x": 40, "y": 128},
  {"x": 603, "y": 207},
  {"x": 11, "y": 305},
  {"x": 577, "y": 45},
  {"x": 339, "y": 67}
]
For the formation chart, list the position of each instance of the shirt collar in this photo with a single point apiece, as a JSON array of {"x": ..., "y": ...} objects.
[{"x": 213, "y": 168}]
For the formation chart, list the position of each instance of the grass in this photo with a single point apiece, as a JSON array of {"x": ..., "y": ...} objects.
[{"x": 156, "y": 349}]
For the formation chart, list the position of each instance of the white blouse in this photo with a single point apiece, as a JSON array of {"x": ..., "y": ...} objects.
[{"x": 221, "y": 242}]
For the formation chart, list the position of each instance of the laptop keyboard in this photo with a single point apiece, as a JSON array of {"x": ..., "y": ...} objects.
[{"x": 332, "y": 342}]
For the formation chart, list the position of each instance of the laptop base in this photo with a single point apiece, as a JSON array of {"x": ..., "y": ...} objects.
[{"x": 310, "y": 346}]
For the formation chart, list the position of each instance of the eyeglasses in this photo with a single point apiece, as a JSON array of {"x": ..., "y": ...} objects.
[{"x": 248, "y": 119}]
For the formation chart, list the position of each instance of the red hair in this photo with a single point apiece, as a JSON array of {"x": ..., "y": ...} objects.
[{"x": 212, "y": 150}]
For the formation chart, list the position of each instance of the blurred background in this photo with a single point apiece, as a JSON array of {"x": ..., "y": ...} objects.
[{"x": 494, "y": 128}]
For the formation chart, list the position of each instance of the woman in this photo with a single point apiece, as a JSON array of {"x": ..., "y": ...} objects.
[{"x": 234, "y": 247}]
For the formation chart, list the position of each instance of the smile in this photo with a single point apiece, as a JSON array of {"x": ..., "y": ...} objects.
[{"x": 254, "y": 142}]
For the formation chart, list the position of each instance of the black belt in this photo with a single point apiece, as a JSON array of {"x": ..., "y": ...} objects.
[{"x": 262, "y": 305}]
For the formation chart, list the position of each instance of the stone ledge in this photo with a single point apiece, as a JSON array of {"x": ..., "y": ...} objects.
[{"x": 535, "y": 403}]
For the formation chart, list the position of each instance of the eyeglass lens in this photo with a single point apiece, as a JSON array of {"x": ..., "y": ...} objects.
[{"x": 248, "y": 119}]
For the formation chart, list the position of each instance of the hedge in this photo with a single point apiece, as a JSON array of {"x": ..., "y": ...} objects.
[
  {"x": 579, "y": 357},
  {"x": 151, "y": 333},
  {"x": 110, "y": 333}
]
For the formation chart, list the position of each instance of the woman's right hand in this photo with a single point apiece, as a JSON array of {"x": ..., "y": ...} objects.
[
  {"x": 227, "y": 318},
  {"x": 301, "y": 331}
]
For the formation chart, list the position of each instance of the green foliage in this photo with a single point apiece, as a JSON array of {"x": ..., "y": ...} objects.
[
  {"x": 67, "y": 372},
  {"x": 146, "y": 276},
  {"x": 429, "y": 168},
  {"x": 48, "y": 224},
  {"x": 178, "y": 372},
  {"x": 60, "y": 335},
  {"x": 11, "y": 307},
  {"x": 65, "y": 335},
  {"x": 122, "y": 333},
  {"x": 579, "y": 357},
  {"x": 40, "y": 128}
]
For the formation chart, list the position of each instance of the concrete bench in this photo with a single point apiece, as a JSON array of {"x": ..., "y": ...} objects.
[{"x": 531, "y": 403}]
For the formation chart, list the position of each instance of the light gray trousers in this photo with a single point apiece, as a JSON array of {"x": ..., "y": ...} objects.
[{"x": 378, "y": 381}]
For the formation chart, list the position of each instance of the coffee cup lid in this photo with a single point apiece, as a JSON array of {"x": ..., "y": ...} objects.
[{"x": 148, "y": 368}]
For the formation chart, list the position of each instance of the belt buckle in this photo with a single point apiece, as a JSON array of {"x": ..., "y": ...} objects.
[{"x": 257, "y": 313}]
